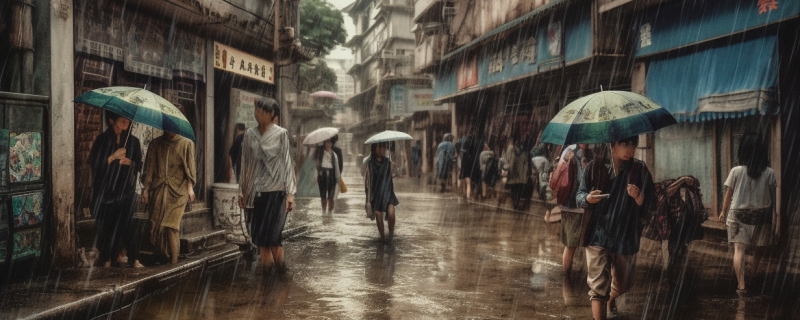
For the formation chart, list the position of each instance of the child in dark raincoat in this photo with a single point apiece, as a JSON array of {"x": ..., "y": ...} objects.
[{"x": 381, "y": 188}]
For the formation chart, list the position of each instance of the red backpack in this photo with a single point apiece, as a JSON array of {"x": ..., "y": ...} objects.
[{"x": 563, "y": 182}]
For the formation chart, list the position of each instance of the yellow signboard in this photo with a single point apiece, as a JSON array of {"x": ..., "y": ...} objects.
[{"x": 243, "y": 64}]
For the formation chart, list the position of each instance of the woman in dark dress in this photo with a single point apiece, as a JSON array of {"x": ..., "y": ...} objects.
[
  {"x": 116, "y": 160},
  {"x": 381, "y": 189}
]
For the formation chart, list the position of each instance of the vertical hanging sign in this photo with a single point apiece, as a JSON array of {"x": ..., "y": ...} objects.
[{"x": 243, "y": 64}]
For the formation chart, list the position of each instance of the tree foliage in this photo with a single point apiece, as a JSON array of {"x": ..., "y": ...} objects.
[
  {"x": 321, "y": 25},
  {"x": 316, "y": 76}
]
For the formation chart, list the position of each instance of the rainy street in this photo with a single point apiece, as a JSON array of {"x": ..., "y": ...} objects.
[{"x": 450, "y": 259}]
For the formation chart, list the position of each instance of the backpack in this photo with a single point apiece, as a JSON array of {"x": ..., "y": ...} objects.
[
  {"x": 563, "y": 183},
  {"x": 683, "y": 206}
]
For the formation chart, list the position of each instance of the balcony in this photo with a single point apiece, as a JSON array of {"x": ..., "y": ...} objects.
[
  {"x": 429, "y": 52},
  {"x": 428, "y": 11},
  {"x": 397, "y": 3}
]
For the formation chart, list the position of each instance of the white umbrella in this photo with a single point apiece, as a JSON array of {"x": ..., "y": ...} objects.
[
  {"x": 320, "y": 135},
  {"x": 387, "y": 136}
]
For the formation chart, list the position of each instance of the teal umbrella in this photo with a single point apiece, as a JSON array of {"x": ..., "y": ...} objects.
[
  {"x": 606, "y": 116},
  {"x": 141, "y": 106}
]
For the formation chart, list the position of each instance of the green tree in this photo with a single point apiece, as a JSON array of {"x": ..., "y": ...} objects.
[
  {"x": 321, "y": 25},
  {"x": 316, "y": 76}
]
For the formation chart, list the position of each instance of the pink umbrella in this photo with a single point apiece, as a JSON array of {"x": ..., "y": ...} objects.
[{"x": 324, "y": 94}]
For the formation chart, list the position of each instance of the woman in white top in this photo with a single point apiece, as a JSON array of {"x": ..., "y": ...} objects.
[
  {"x": 327, "y": 177},
  {"x": 749, "y": 206},
  {"x": 267, "y": 182}
]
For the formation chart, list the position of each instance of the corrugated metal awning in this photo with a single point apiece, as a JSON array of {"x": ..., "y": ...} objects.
[{"x": 508, "y": 26}]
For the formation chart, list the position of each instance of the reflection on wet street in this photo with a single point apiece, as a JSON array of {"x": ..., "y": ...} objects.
[{"x": 450, "y": 259}]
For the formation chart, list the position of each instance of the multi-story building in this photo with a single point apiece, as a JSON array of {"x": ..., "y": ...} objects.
[
  {"x": 386, "y": 89},
  {"x": 209, "y": 58},
  {"x": 345, "y": 84}
]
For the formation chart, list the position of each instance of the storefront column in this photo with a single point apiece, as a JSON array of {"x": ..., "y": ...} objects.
[
  {"x": 210, "y": 126},
  {"x": 62, "y": 133}
]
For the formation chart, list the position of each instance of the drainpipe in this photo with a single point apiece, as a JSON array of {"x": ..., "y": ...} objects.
[{"x": 21, "y": 40}]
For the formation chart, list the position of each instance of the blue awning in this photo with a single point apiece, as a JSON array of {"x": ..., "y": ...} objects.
[{"x": 730, "y": 81}]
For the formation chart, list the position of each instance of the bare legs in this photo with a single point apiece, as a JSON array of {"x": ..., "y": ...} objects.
[
  {"x": 270, "y": 256},
  {"x": 468, "y": 184},
  {"x": 173, "y": 244},
  {"x": 327, "y": 204},
  {"x": 738, "y": 263},
  {"x": 379, "y": 221},
  {"x": 599, "y": 309},
  {"x": 566, "y": 260}
]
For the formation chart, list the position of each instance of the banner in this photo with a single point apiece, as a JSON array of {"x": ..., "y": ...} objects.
[
  {"x": 189, "y": 55},
  {"x": 230, "y": 59}
]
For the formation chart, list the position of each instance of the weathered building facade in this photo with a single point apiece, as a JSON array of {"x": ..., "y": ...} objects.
[
  {"x": 509, "y": 66},
  {"x": 209, "y": 58},
  {"x": 386, "y": 89},
  {"x": 723, "y": 69}
]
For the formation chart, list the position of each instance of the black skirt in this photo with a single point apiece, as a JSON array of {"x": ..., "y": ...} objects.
[{"x": 268, "y": 219}]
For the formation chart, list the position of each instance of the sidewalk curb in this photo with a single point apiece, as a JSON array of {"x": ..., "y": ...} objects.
[{"x": 119, "y": 297}]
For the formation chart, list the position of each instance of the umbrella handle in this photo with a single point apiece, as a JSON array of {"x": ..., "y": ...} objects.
[{"x": 130, "y": 132}]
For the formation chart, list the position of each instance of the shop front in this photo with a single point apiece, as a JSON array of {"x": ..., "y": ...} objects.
[{"x": 716, "y": 69}]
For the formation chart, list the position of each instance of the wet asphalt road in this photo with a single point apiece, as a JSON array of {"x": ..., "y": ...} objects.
[{"x": 450, "y": 259}]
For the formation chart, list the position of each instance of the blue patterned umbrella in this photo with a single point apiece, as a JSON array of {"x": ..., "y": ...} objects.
[
  {"x": 141, "y": 106},
  {"x": 606, "y": 116}
]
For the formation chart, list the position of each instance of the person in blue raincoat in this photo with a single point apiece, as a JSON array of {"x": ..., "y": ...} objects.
[{"x": 444, "y": 159}]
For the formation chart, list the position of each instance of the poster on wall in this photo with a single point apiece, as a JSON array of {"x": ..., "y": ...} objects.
[
  {"x": 27, "y": 243},
  {"x": 26, "y": 209},
  {"x": 554, "y": 38},
  {"x": 243, "y": 104},
  {"x": 25, "y": 157},
  {"x": 468, "y": 73},
  {"x": 4, "y": 150}
]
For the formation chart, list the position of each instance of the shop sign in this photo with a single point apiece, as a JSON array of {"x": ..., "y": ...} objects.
[
  {"x": 398, "y": 99},
  {"x": 232, "y": 60},
  {"x": 421, "y": 99},
  {"x": 521, "y": 50},
  {"x": 99, "y": 29},
  {"x": 468, "y": 74}
]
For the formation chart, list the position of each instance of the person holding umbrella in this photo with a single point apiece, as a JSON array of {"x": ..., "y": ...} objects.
[
  {"x": 267, "y": 184},
  {"x": 328, "y": 173},
  {"x": 169, "y": 169},
  {"x": 116, "y": 160},
  {"x": 381, "y": 188},
  {"x": 168, "y": 185},
  {"x": 379, "y": 185},
  {"x": 617, "y": 192}
]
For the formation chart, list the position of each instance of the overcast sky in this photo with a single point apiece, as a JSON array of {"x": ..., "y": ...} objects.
[{"x": 348, "y": 25}]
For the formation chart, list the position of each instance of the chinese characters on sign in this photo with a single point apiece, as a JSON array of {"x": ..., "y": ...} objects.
[
  {"x": 523, "y": 50},
  {"x": 767, "y": 5},
  {"x": 243, "y": 64},
  {"x": 645, "y": 35}
]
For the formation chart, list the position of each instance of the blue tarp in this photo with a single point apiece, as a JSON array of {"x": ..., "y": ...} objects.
[
  {"x": 682, "y": 23},
  {"x": 680, "y": 83}
]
